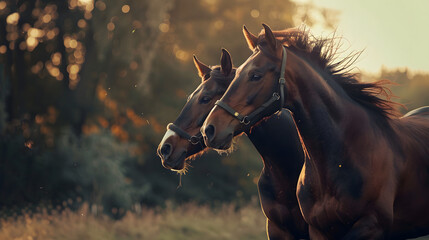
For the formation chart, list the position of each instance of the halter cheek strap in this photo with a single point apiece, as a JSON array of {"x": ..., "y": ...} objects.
[
  {"x": 247, "y": 119},
  {"x": 195, "y": 139},
  {"x": 282, "y": 80}
]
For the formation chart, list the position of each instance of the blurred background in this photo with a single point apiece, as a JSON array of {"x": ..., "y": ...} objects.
[{"x": 88, "y": 86}]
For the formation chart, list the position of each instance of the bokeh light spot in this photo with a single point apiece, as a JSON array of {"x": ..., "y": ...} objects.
[
  {"x": 55, "y": 72},
  {"x": 87, "y": 15},
  {"x": 125, "y": 8},
  {"x": 3, "y": 49},
  {"x": 35, "y": 32},
  {"x": 100, "y": 5},
  {"x": 32, "y": 42},
  {"x": 47, "y": 18},
  {"x": 182, "y": 55},
  {"x": 73, "y": 43},
  {"x": 110, "y": 26},
  {"x": 50, "y": 34},
  {"x": 73, "y": 69},
  {"x": 56, "y": 58},
  {"x": 254, "y": 13},
  {"x": 2, "y": 5},
  {"x": 13, "y": 18},
  {"x": 81, "y": 23},
  {"x": 164, "y": 27}
]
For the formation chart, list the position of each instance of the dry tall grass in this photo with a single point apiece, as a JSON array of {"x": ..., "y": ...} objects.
[{"x": 185, "y": 222}]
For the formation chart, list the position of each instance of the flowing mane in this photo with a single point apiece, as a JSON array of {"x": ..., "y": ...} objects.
[{"x": 322, "y": 53}]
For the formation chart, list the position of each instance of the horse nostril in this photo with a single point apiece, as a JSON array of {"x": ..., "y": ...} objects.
[
  {"x": 166, "y": 151},
  {"x": 209, "y": 132},
  {"x": 166, "y": 165}
]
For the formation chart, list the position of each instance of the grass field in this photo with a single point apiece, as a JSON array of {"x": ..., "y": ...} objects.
[{"x": 185, "y": 222}]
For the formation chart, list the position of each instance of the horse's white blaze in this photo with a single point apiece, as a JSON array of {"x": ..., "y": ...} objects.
[{"x": 167, "y": 134}]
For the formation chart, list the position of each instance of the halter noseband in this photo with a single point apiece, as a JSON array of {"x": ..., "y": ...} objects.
[
  {"x": 194, "y": 140},
  {"x": 246, "y": 119}
]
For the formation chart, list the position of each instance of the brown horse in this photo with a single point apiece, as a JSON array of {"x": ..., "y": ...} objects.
[
  {"x": 277, "y": 183},
  {"x": 367, "y": 174}
]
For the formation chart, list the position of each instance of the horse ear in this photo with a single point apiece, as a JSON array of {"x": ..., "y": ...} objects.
[
  {"x": 251, "y": 39},
  {"x": 269, "y": 36},
  {"x": 225, "y": 62},
  {"x": 201, "y": 67}
]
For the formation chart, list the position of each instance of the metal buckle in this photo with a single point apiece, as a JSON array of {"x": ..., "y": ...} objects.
[
  {"x": 245, "y": 120},
  {"x": 276, "y": 95},
  {"x": 194, "y": 140}
]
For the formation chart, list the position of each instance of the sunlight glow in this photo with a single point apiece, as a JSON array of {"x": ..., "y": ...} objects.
[{"x": 393, "y": 34}]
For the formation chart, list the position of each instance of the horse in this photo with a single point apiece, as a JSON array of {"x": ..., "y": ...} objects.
[
  {"x": 366, "y": 174},
  {"x": 279, "y": 176}
]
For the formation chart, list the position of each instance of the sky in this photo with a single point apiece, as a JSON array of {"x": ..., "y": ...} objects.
[{"x": 392, "y": 33}]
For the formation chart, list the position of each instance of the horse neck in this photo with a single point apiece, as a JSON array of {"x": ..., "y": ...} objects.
[
  {"x": 325, "y": 115},
  {"x": 279, "y": 145}
]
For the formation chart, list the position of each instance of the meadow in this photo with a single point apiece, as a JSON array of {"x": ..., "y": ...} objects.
[{"x": 188, "y": 221}]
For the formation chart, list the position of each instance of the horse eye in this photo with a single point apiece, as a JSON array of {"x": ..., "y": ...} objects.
[
  {"x": 255, "y": 77},
  {"x": 205, "y": 100}
]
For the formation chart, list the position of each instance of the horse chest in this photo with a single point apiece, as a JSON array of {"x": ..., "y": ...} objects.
[
  {"x": 330, "y": 208},
  {"x": 278, "y": 201}
]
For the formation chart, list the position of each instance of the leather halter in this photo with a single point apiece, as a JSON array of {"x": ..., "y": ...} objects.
[
  {"x": 194, "y": 140},
  {"x": 246, "y": 119}
]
